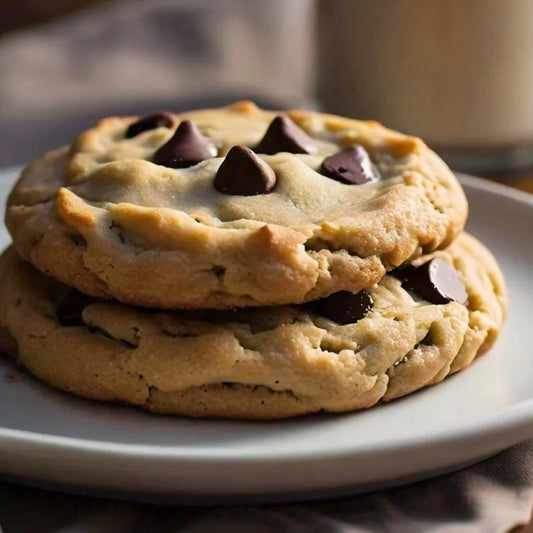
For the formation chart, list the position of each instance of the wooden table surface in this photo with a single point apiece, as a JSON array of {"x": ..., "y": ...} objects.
[{"x": 520, "y": 181}]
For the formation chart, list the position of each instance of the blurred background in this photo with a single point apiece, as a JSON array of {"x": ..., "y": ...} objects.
[
  {"x": 458, "y": 73},
  {"x": 66, "y": 63}
]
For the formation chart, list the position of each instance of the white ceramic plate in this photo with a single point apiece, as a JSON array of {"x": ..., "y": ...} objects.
[{"x": 52, "y": 438}]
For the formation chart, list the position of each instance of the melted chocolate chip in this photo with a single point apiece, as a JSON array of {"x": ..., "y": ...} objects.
[
  {"x": 352, "y": 166},
  {"x": 157, "y": 120},
  {"x": 71, "y": 307},
  {"x": 243, "y": 173},
  {"x": 435, "y": 281},
  {"x": 283, "y": 135},
  {"x": 185, "y": 148},
  {"x": 345, "y": 307}
]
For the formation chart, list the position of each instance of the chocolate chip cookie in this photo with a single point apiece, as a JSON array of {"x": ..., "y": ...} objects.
[
  {"x": 232, "y": 207},
  {"x": 340, "y": 353}
]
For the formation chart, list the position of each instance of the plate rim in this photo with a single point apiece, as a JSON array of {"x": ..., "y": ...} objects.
[{"x": 515, "y": 416}]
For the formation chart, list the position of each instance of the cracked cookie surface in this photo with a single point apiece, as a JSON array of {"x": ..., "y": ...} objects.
[
  {"x": 255, "y": 363},
  {"x": 101, "y": 216}
]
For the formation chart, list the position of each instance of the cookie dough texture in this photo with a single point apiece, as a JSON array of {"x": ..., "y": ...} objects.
[
  {"x": 259, "y": 363},
  {"x": 100, "y": 216}
]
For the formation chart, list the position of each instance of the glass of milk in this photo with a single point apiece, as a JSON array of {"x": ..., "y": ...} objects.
[{"x": 458, "y": 73}]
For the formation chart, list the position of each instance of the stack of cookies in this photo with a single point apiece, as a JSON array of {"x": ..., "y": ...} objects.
[{"x": 243, "y": 263}]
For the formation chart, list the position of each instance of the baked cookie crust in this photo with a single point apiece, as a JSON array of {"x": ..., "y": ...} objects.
[
  {"x": 260, "y": 363},
  {"x": 101, "y": 216}
]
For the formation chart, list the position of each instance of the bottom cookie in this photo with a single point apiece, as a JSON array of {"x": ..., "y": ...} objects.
[{"x": 260, "y": 363}]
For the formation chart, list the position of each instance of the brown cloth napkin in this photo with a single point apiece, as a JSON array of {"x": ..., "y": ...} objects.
[{"x": 493, "y": 496}]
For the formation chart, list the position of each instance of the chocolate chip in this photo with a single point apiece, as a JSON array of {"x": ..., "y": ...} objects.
[
  {"x": 345, "y": 307},
  {"x": 283, "y": 135},
  {"x": 157, "y": 120},
  {"x": 185, "y": 148},
  {"x": 71, "y": 307},
  {"x": 435, "y": 281},
  {"x": 243, "y": 173},
  {"x": 352, "y": 166}
]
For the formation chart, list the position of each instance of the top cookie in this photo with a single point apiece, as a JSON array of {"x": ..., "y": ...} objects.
[{"x": 231, "y": 207}]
